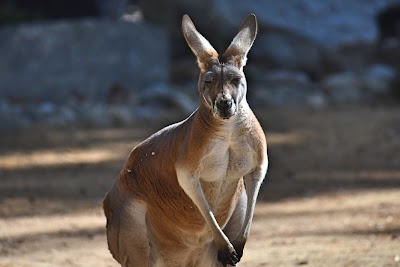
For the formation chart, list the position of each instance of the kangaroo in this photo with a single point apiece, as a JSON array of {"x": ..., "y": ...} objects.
[{"x": 186, "y": 195}]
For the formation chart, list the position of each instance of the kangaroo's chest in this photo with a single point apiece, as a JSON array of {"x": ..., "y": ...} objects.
[{"x": 227, "y": 161}]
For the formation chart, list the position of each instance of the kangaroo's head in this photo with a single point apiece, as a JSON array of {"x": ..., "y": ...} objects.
[{"x": 222, "y": 84}]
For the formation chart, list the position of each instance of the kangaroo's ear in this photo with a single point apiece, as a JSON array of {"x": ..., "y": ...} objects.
[
  {"x": 202, "y": 49},
  {"x": 241, "y": 44}
]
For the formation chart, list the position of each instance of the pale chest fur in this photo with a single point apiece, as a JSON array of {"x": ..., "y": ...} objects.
[
  {"x": 220, "y": 170},
  {"x": 226, "y": 161}
]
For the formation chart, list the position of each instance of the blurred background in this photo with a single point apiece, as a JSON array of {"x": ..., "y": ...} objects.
[{"x": 83, "y": 82}]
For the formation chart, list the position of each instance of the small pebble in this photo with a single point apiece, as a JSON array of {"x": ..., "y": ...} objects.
[
  {"x": 302, "y": 262},
  {"x": 153, "y": 153},
  {"x": 397, "y": 258},
  {"x": 129, "y": 170}
]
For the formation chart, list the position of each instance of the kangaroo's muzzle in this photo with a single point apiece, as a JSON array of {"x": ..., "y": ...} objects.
[{"x": 224, "y": 106}]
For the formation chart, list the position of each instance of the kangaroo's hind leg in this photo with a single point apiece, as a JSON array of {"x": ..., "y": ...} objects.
[{"x": 127, "y": 232}]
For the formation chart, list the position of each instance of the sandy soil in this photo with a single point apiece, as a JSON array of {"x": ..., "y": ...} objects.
[{"x": 331, "y": 198}]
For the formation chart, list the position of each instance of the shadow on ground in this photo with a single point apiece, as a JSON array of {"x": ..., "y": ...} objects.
[{"x": 312, "y": 152}]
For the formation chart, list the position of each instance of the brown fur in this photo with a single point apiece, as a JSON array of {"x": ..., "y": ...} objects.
[{"x": 148, "y": 212}]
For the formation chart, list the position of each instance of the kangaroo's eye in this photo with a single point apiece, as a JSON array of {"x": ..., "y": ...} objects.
[
  {"x": 235, "y": 82},
  {"x": 208, "y": 83}
]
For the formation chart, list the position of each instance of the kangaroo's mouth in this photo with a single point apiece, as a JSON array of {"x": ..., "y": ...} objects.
[
  {"x": 224, "y": 108},
  {"x": 226, "y": 116}
]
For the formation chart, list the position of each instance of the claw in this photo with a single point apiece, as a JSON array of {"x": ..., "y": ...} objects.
[
  {"x": 239, "y": 253},
  {"x": 239, "y": 246},
  {"x": 228, "y": 257}
]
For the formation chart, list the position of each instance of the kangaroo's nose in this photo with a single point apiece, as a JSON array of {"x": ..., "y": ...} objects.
[{"x": 224, "y": 103}]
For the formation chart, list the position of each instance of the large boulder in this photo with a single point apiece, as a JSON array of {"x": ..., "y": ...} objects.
[
  {"x": 281, "y": 87},
  {"x": 316, "y": 37},
  {"x": 328, "y": 22},
  {"x": 343, "y": 87},
  {"x": 349, "y": 86}
]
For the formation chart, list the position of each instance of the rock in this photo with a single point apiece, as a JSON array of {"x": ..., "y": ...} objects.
[
  {"x": 121, "y": 115},
  {"x": 79, "y": 57},
  {"x": 118, "y": 94},
  {"x": 388, "y": 24},
  {"x": 390, "y": 55},
  {"x": 343, "y": 87},
  {"x": 46, "y": 108},
  {"x": 377, "y": 79},
  {"x": 277, "y": 88},
  {"x": 317, "y": 100},
  {"x": 305, "y": 35},
  {"x": 318, "y": 37},
  {"x": 351, "y": 86},
  {"x": 354, "y": 56},
  {"x": 281, "y": 75},
  {"x": 11, "y": 118},
  {"x": 281, "y": 49},
  {"x": 164, "y": 97},
  {"x": 63, "y": 117},
  {"x": 395, "y": 87},
  {"x": 327, "y": 22},
  {"x": 93, "y": 116}
]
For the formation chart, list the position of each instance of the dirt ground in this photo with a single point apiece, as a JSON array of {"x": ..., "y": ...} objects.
[{"x": 331, "y": 197}]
